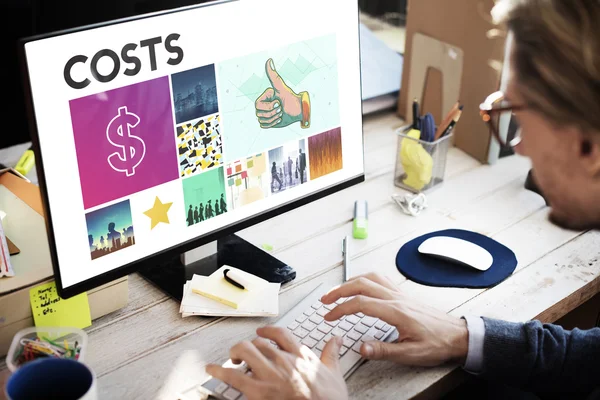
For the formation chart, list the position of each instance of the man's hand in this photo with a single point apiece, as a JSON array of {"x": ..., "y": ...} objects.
[
  {"x": 278, "y": 105},
  {"x": 427, "y": 337},
  {"x": 292, "y": 372}
]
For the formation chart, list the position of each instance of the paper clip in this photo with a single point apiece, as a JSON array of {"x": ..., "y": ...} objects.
[{"x": 411, "y": 204}]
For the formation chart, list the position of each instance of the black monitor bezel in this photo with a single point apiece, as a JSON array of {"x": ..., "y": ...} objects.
[{"x": 174, "y": 251}]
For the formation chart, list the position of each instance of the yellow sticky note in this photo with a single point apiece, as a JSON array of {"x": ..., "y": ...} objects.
[{"x": 50, "y": 310}]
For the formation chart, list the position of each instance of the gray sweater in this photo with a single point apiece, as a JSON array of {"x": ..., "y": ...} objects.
[{"x": 543, "y": 358}]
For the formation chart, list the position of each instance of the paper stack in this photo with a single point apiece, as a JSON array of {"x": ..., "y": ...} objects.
[{"x": 259, "y": 299}]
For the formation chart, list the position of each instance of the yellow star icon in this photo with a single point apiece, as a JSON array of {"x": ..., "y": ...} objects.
[{"x": 158, "y": 212}]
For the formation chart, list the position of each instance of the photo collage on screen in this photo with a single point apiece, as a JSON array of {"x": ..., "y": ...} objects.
[{"x": 228, "y": 134}]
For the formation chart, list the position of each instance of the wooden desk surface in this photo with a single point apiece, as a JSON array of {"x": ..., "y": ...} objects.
[{"x": 148, "y": 351}]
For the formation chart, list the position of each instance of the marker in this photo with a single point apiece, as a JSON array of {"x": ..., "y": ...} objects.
[{"x": 235, "y": 279}]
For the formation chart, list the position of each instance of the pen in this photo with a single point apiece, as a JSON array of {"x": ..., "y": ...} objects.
[
  {"x": 345, "y": 254},
  {"x": 415, "y": 114},
  {"x": 234, "y": 283}
]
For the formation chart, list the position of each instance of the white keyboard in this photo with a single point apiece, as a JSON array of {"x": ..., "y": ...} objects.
[{"x": 306, "y": 322}]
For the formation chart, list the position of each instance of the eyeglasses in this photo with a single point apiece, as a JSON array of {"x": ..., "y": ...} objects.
[{"x": 495, "y": 109}]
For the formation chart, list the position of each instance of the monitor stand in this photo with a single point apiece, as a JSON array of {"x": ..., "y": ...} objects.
[{"x": 230, "y": 250}]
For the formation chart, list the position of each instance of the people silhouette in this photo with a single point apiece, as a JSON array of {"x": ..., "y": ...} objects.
[
  {"x": 223, "y": 204},
  {"x": 196, "y": 214},
  {"x": 289, "y": 169},
  {"x": 302, "y": 165},
  {"x": 209, "y": 210},
  {"x": 101, "y": 242},
  {"x": 217, "y": 210},
  {"x": 190, "y": 217},
  {"x": 114, "y": 236},
  {"x": 275, "y": 177},
  {"x": 201, "y": 212},
  {"x": 91, "y": 240}
]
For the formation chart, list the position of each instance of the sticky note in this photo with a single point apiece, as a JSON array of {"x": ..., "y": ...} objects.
[
  {"x": 250, "y": 164},
  {"x": 49, "y": 309}
]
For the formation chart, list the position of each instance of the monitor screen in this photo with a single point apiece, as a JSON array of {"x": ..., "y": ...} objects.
[{"x": 158, "y": 133}]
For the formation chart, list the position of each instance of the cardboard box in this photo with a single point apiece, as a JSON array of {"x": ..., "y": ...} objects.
[
  {"x": 25, "y": 225},
  {"x": 464, "y": 25}
]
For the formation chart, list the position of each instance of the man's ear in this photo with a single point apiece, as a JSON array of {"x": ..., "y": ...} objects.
[{"x": 589, "y": 152}]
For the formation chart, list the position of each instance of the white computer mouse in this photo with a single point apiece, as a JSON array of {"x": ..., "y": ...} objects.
[{"x": 457, "y": 250}]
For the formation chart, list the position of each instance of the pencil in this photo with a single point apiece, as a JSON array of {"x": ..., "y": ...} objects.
[
  {"x": 450, "y": 128},
  {"x": 446, "y": 121}
]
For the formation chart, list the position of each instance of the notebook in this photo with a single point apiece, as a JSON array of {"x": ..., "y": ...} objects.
[{"x": 261, "y": 299}]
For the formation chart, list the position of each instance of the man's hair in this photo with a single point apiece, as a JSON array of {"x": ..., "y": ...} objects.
[{"x": 556, "y": 57}]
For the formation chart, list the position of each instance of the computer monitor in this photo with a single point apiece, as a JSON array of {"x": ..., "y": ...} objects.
[{"x": 164, "y": 132}]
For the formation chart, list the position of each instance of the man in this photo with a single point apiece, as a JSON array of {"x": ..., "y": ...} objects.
[
  {"x": 554, "y": 93},
  {"x": 301, "y": 165}
]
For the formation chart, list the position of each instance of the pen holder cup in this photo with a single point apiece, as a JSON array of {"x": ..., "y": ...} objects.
[
  {"x": 32, "y": 343},
  {"x": 420, "y": 165}
]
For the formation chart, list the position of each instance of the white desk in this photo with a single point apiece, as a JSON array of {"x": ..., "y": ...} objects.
[{"x": 148, "y": 351}]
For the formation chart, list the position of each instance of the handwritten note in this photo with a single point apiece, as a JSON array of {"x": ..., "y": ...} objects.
[{"x": 49, "y": 309}]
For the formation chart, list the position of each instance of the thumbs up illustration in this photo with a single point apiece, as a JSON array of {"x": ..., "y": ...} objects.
[{"x": 279, "y": 106}]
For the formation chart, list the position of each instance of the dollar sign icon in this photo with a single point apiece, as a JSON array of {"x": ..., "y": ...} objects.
[{"x": 132, "y": 148}]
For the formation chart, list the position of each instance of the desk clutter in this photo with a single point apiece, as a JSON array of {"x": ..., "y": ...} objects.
[
  {"x": 230, "y": 292},
  {"x": 31, "y": 344},
  {"x": 422, "y": 149}
]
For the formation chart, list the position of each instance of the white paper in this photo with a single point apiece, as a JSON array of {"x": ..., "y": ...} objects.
[{"x": 265, "y": 302}]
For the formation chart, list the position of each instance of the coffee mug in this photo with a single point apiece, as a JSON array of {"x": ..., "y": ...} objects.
[{"x": 52, "y": 378}]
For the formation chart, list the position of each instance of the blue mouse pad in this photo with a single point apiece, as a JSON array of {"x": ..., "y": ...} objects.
[{"x": 431, "y": 271}]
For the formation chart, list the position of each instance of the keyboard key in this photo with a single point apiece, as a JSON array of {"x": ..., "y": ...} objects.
[
  {"x": 340, "y": 300},
  {"x": 322, "y": 311},
  {"x": 301, "y": 318},
  {"x": 338, "y": 332},
  {"x": 317, "y": 305},
  {"x": 221, "y": 388},
  {"x": 320, "y": 345},
  {"x": 301, "y": 332},
  {"x": 345, "y": 326},
  {"x": 231, "y": 394},
  {"x": 327, "y": 337},
  {"x": 360, "y": 315},
  {"x": 360, "y": 328},
  {"x": 293, "y": 325},
  {"x": 353, "y": 319},
  {"x": 330, "y": 306},
  {"x": 356, "y": 347},
  {"x": 243, "y": 397},
  {"x": 309, "y": 326},
  {"x": 333, "y": 323},
  {"x": 379, "y": 324},
  {"x": 369, "y": 321},
  {"x": 309, "y": 312},
  {"x": 318, "y": 335},
  {"x": 317, "y": 352},
  {"x": 309, "y": 342},
  {"x": 348, "y": 342},
  {"x": 316, "y": 319},
  {"x": 323, "y": 327},
  {"x": 379, "y": 335},
  {"x": 386, "y": 327},
  {"x": 354, "y": 335},
  {"x": 367, "y": 338},
  {"x": 343, "y": 350}
]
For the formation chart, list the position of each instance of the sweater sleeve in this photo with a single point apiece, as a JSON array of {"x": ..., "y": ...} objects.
[{"x": 541, "y": 357}]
